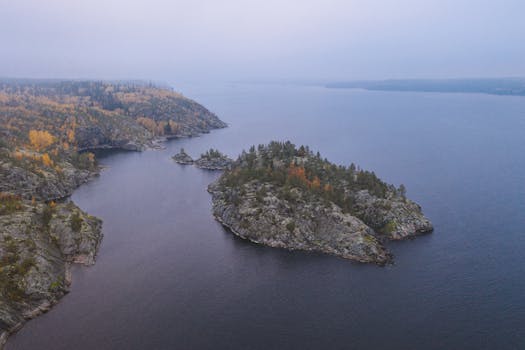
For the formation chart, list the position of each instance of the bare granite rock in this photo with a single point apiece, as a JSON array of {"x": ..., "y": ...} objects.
[
  {"x": 297, "y": 224},
  {"x": 397, "y": 217},
  {"x": 44, "y": 185},
  {"x": 37, "y": 244}
]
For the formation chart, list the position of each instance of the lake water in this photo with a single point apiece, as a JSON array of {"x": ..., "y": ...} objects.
[{"x": 169, "y": 277}]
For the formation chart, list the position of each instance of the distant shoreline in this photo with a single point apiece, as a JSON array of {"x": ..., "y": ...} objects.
[{"x": 491, "y": 86}]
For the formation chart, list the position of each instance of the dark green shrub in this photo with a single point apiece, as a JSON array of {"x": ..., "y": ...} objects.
[{"x": 76, "y": 221}]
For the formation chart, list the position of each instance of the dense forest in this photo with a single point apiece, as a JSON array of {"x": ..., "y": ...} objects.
[
  {"x": 45, "y": 126},
  {"x": 75, "y": 112},
  {"x": 288, "y": 166}
]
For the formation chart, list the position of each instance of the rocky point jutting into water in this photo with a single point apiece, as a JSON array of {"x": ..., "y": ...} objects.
[
  {"x": 289, "y": 197},
  {"x": 39, "y": 241},
  {"x": 45, "y": 129}
]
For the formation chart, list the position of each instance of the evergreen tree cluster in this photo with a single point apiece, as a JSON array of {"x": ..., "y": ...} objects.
[
  {"x": 287, "y": 166},
  {"x": 212, "y": 154}
]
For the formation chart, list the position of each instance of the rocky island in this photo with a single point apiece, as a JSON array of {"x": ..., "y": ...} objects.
[
  {"x": 288, "y": 197},
  {"x": 46, "y": 131}
]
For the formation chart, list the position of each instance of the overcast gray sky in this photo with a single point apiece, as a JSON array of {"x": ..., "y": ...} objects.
[{"x": 261, "y": 39}]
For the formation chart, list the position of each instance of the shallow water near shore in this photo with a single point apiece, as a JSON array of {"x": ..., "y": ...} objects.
[{"x": 168, "y": 276}]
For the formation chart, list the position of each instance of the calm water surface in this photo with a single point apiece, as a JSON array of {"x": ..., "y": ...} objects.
[{"x": 169, "y": 277}]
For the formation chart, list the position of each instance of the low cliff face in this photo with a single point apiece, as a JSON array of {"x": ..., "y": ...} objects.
[
  {"x": 286, "y": 197},
  {"x": 44, "y": 183},
  {"x": 113, "y": 131},
  {"x": 295, "y": 223},
  {"x": 37, "y": 242},
  {"x": 396, "y": 217}
]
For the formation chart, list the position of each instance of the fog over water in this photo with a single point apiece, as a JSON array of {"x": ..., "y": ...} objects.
[{"x": 229, "y": 40}]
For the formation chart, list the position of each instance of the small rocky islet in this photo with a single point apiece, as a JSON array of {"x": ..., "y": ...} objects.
[
  {"x": 183, "y": 158},
  {"x": 287, "y": 197},
  {"x": 212, "y": 159}
]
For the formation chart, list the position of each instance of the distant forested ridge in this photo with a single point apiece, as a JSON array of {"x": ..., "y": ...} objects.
[
  {"x": 46, "y": 125},
  {"x": 99, "y": 113},
  {"x": 494, "y": 86}
]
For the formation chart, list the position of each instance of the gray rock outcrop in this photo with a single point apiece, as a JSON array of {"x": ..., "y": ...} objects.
[
  {"x": 42, "y": 185},
  {"x": 396, "y": 217},
  {"x": 37, "y": 244},
  {"x": 213, "y": 160},
  {"x": 298, "y": 224},
  {"x": 213, "y": 164}
]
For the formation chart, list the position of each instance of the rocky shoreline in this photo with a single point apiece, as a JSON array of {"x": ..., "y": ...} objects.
[
  {"x": 47, "y": 158},
  {"x": 353, "y": 241},
  {"x": 47, "y": 281},
  {"x": 39, "y": 242}
]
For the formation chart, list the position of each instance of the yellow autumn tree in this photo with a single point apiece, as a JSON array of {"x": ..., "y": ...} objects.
[
  {"x": 40, "y": 139},
  {"x": 71, "y": 135},
  {"x": 174, "y": 126},
  {"x": 91, "y": 158},
  {"x": 316, "y": 183},
  {"x": 46, "y": 160},
  {"x": 161, "y": 127},
  {"x": 148, "y": 123}
]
